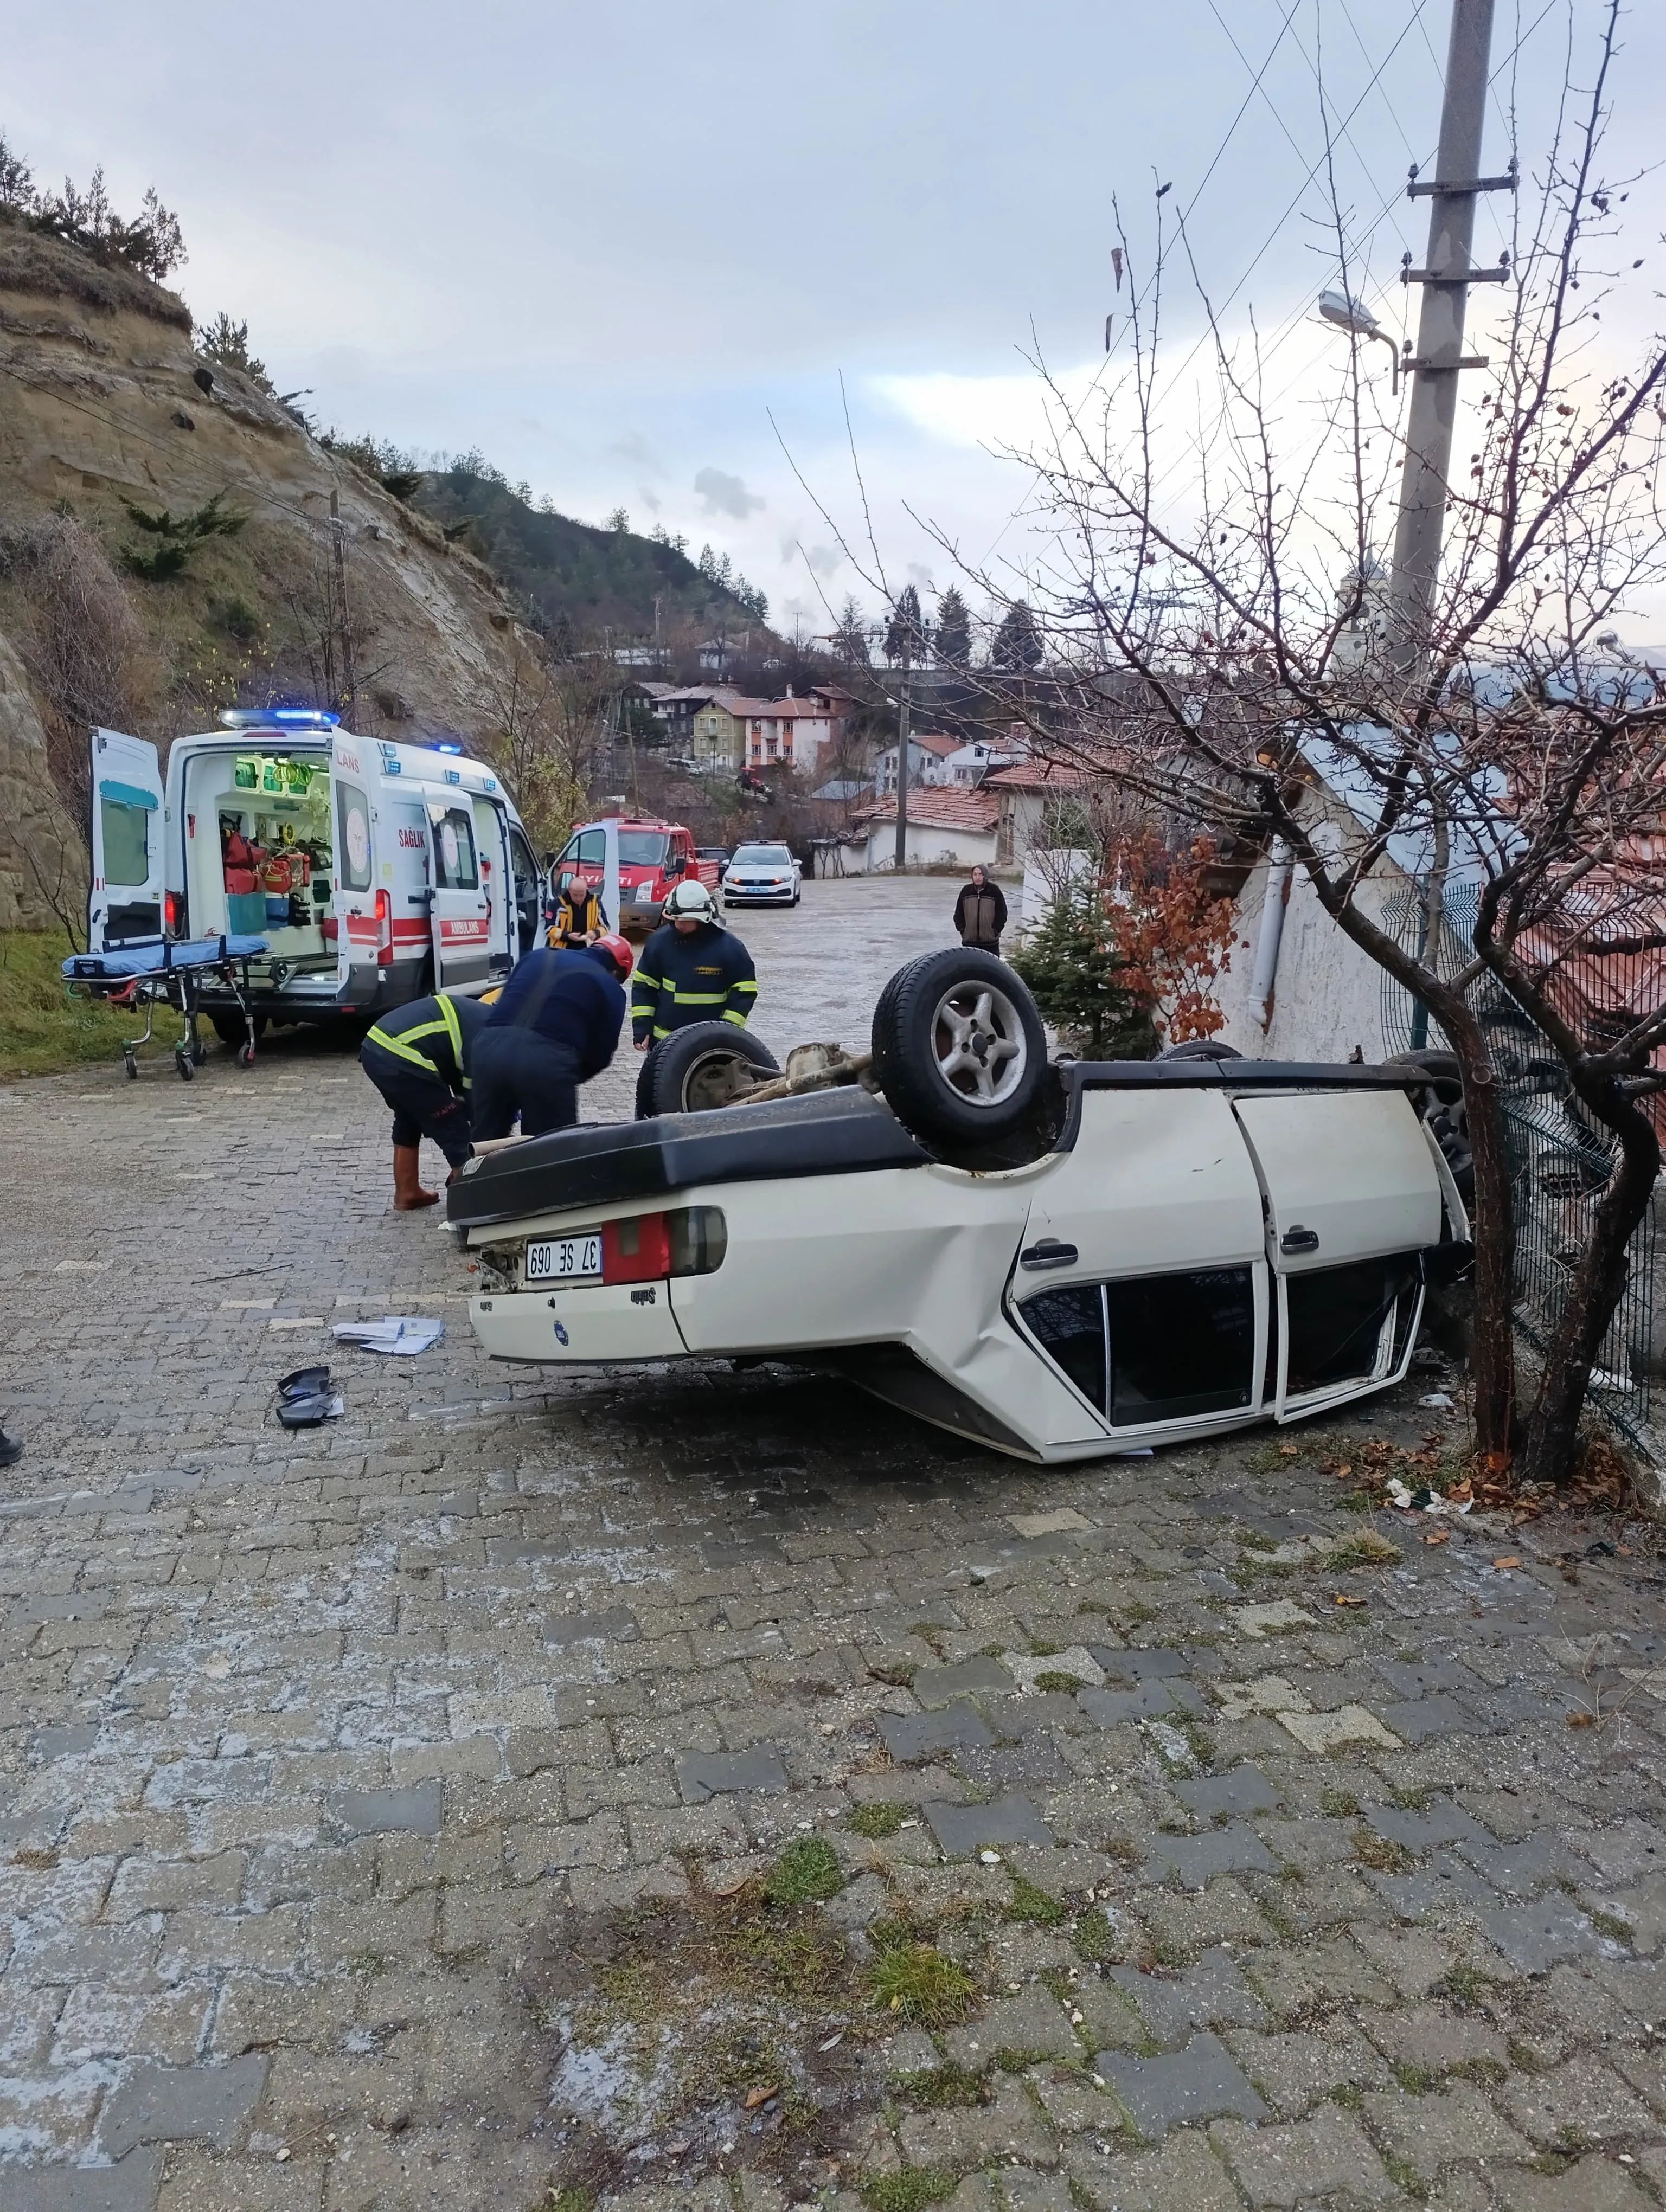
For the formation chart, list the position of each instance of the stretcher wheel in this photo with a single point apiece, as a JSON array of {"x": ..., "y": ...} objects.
[
  {"x": 199, "y": 1052},
  {"x": 182, "y": 1061},
  {"x": 246, "y": 1055},
  {"x": 131, "y": 1065}
]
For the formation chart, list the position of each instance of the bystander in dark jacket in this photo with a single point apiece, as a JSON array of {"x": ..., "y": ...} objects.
[{"x": 979, "y": 913}]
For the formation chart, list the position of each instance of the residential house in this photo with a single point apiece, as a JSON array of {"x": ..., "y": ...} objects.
[
  {"x": 705, "y": 725},
  {"x": 927, "y": 751},
  {"x": 945, "y": 829},
  {"x": 1028, "y": 794},
  {"x": 796, "y": 731},
  {"x": 968, "y": 766}
]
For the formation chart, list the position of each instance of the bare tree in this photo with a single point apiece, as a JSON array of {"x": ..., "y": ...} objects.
[
  {"x": 544, "y": 723},
  {"x": 1493, "y": 736}
]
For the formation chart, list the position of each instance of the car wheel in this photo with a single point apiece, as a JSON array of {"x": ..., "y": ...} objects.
[
  {"x": 1441, "y": 1104},
  {"x": 1200, "y": 1049},
  {"x": 958, "y": 1047},
  {"x": 705, "y": 1066}
]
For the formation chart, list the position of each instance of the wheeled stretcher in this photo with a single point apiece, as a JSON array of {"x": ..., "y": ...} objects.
[{"x": 160, "y": 968}]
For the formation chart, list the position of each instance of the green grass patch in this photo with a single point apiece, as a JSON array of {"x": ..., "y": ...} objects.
[
  {"x": 1020, "y": 2061},
  {"x": 564, "y": 2200},
  {"x": 899, "y": 1673},
  {"x": 1404, "y": 2175},
  {"x": 807, "y": 1873},
  {"x": 1378, "y": 1853},
  {"x": 881, "y": 1819},
  {"x": 1096, "y": 1939},
  {"x": 1056, "y": 1678},
  {"x": 1339, "y": 1805},
  {"x": 940, "y": 2087},
  {"x": 43, "y": 1030},
  {"x": 1349, "y": 2095},
  {"x": 1610, "y": 1924},
  {"x": 1041, "y": 1649},
  {"x": 910, "y": 2190},
  {"x": 913, "y": 1981},
  {"x": 1029, "y": 1902}
]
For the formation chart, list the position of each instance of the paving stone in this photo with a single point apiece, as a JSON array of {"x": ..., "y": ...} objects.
[
  {"x": 961, "y": 1830},
  {"x": 1151, "y": 1700},
  {"x": 1031, "y": 2022},
  {"x": 1020, "y": 2189},
  {"x": 972, "y": 1678},
  {"x": 1434, "y": 2036},
  {"x": 1244, "y": 1790},
  {"x": 1275, "y": 1619},
  {"x": 1235, "y": 1848},
  {"x": 1210, "y": 1994},
  {"x": 910, "y": 1736},
  {"x": 1534, "y": 1936},
  {"x": 1156, "y": 1662},
  {"x": 1009, "y": 2127},
  {"x": 701, "y": 1775},
  {"x": 1416, "y": 1720},
  {"x": 1425, "y": 1678},
  {"x": 129, "y": 2185},
  {"x": 618, "y": 1625},
  {"x": 1180, "y": 2088},
  {"x": 1581, "y": 2101},
  {"x": 1421, "y": 1831},
  {"x": 179, "y": 2103},
  {"x": 1429, "y": 2133},
  {"x": 1328, "y": 2154},
  {"x": 1183, "y": 2176},
  {"x": 1594, "y": 2184},
  {"x": 1295, "y": 2071},
  {"x": 1328, "y": 1732},
  {"x": 415, "y": 1810}
]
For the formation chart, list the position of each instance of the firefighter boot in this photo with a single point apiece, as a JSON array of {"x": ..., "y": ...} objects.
[{"x": 408, "y": 1191}]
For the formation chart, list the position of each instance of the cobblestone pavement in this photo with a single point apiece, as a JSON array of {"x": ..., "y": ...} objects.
[{"x": 321, "y": 1753}]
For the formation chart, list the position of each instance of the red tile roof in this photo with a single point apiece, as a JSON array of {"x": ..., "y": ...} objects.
[{"x": 936, "y": 808}]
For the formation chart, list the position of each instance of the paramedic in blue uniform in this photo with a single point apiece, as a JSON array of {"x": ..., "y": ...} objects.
[
  {"x": 556, "y": 1024},
  {"x": 692, "y": 970},
  {"x": 418, "y": 1057}
]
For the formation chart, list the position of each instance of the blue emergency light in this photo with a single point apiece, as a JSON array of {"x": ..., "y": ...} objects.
[{"x": 279, "y": 718}]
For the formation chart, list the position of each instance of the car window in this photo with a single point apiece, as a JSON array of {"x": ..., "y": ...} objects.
[
  {"x": 353, "y": 845},
  {"x": 1338, "y": 1317},
  {"x": 587, "y": 849},
  {"x": 454, "y": 865},
  {"x": 1158, "y": 1348},
  {"x": 126, "y": 840},
  {"x": 640, "y": 849},
  {"x": 524, "y": 867},
  {"x": 1071, "y": 1322},
  {"x": 776, "y": 856}
]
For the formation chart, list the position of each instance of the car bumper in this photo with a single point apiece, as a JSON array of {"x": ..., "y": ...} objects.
[{"x": 759, "y": 894}]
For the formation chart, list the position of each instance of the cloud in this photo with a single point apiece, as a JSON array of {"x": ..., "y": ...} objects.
[
  {"x": 723, "y": 494},
  {"x": 650, "y": 499},
  {"x": 634, "y": 448},
  {"x": 821, "y": 560}
]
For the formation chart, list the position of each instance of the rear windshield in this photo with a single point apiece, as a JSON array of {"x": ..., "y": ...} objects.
[
  {"x": 641, "y": 848},
  {"x": 773, "y": 856}
]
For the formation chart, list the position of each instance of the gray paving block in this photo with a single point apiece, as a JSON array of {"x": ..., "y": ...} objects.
[
  {"x": 1182, "y": 2088},
  {"x": 915, "y": 1735},
  {"x": 961, "y": 1830},
  {"x": 973, "y": 1677},
  {"x": 1447, "y": 1886},
  {"x": 618, "y": 1627},
  {"x": 1244, "y": 1790},
  {"x": 1521, "y": 1869},
  {"x": 1198, "y": 1859},
  {"x": 1212, "y": 1994},
  {"x": 414, "y": 1810},
  {"x": 1427, "y": 1676},
  {"x": 1419, "y": 1718},
  {"x": 1110, "y": 1707},
  {"x": 131, "y": 2186},
  {"x": 1534, "y": 1937},
  {"x": 704, "y": 1774},
  {"x": 67, "y": 1741},
  {"x": 1154, "y": 1664},
  {"x": 182, "y": 2104},
  {"x": 1444, "y": 1823},
  {"x": 741, "y": 1551}
]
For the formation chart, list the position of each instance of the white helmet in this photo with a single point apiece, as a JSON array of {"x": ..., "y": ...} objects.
[{"x": 692, "y": 899}]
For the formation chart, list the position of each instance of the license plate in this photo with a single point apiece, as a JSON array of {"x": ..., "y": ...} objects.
[{"x": 565, "y": 1260}]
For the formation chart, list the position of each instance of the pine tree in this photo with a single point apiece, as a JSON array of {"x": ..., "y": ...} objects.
[
  {"x": 1075, "y": 965},
  {"x": 1016, "y": 648},
  {"x": 905, "y": 633},
  {"x": 952, "y": 640}
]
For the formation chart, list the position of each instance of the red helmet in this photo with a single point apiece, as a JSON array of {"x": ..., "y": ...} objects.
[{"x": 618, "y": 951}]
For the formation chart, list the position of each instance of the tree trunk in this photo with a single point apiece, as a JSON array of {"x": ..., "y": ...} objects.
[
  {"x": 1494, "y": 1223},
  {"x": 1598, "y": 1285}
]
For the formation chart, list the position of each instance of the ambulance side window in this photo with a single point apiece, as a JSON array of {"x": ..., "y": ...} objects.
[
  {"x": 454, "y": 865},
  {"x": 353, "y": 844},
  {"x": 126, "y": 840}
]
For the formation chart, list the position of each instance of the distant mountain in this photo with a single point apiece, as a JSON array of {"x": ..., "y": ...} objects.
[{"x": 580, "y": 577}]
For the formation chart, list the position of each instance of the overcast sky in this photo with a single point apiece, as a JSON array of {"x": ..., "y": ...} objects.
[{"x": 606, "y": 244}]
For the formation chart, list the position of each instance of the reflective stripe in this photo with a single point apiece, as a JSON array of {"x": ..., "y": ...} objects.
[
  {"x": 739, "y": 1020},
  {"x": 399, "y": 1046},
  {"x": 698, "y": 998},
  {"x": 455, "y": 1031}
]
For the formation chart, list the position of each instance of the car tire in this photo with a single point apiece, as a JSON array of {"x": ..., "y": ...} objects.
[
  {"x": 1441, "y": 1104},
  {"x": 691, "y": 1070},
  {"x": 933, "y": 1030},
  {"x": 1200, "y": 1049}
]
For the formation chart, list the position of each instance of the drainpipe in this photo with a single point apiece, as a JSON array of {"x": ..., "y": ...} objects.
[{"x": 1272, "y": 933}]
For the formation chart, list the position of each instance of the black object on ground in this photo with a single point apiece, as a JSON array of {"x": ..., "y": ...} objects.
[
  {"x": 305, "y": 1398},
  {"x": 10, "y": 1450}
]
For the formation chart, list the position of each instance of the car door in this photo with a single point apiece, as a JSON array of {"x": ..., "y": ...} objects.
[
  {"x": 1352, "y": 1200},
  {"x": 125, "y": 901},
  {"x": 1142, "y": 1273},
  {"x": 491, "y": 844},
  {"x": 528, "y": 892},
  {"x": 462, "y": 926}
]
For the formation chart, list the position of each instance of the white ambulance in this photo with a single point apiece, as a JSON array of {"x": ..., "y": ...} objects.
[{"x": 376, "y": 873}]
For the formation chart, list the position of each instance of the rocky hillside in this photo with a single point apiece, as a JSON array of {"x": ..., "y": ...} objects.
[{"x": 104, "y": 409}]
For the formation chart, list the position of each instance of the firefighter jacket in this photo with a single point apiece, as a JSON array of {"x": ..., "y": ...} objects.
[
  {"x": 706, "y": 976},
  {"x": 433, "y": 1035}
]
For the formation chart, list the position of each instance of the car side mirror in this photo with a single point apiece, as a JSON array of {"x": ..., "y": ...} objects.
[{"x": 677, "y": 866}]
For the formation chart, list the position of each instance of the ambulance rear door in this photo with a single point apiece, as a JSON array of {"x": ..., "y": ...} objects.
[
  {"x": 126, "y": 900},
  {"x": 462, "y": 919}
]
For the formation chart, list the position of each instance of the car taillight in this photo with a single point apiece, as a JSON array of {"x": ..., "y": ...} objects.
[
  {"x": 384, "y": 930},
  {"x": 171, "y": 912},
  {"x": 648, "y": 1248}
]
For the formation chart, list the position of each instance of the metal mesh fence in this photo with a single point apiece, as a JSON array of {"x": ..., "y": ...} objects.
[{"x": 1559, "y": 1163}]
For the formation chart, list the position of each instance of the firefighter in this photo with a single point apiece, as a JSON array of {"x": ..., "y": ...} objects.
[
  {"x": 691, "y": 969},
  {"x": 556, "y": 1024},
  {"x": 580, "y": 918},
  {"x": 418, "y": 1057}
]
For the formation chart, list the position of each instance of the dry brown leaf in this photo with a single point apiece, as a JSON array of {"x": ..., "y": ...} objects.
[
  {"x": 762, "y": 2096},
  {"x": 1509, "y": 1559},
  {"x": 1582, "y": 1720},
  {"x": 1342, "y": 1597},
  {"x": 1438, "y": 1536}
]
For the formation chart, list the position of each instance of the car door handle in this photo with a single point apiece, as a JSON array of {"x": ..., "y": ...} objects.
[
  {"x": 1299, "y": 1240},
  {"x": 1048, "y": 1253}
]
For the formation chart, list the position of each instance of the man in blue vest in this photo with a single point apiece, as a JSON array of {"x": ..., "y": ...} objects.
[
  {"x": 691, "y": 969},
  {"x": 418, "y": 1058},
  {"x": 555, "y": 1025}
]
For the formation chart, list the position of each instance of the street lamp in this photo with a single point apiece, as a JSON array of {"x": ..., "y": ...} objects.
[{"x": 1354, "y": 317}]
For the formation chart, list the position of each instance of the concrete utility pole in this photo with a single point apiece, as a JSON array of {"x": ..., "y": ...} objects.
[
  {"x": 903, "y": 774},
  {"x": 1440, "y": 356}
]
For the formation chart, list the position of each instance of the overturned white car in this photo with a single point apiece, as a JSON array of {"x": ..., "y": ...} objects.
[{"x": 1059, "y": 1258}]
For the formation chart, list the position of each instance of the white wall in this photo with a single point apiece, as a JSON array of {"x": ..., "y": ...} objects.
[
  {"x": 928, "y": 848},
  {"x": 1327, "y": 997}
]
